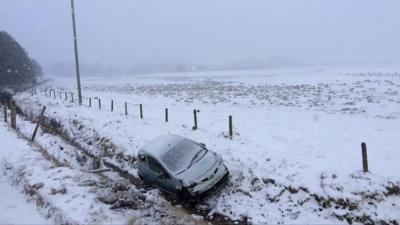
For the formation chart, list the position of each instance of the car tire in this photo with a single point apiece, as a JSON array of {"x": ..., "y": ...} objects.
[{"x": 184, "y": 195}]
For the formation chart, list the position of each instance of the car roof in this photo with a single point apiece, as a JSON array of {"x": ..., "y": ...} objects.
[{"x": 161, "y": 145}]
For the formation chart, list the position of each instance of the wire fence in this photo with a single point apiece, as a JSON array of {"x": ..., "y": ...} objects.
[
  {"x": 122, "y": 107},
  {"x": 88, "y": 102}
]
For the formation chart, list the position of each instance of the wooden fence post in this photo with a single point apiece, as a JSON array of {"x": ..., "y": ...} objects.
[
  {"x": 90, "y": 102},
  {"x": 126, "y": 108},
  {"x": 99, "y": 103},
  {"x": 13, "y": 115},
  {"x": 141, "y": 111},
  {"x": 54, "y": 94},
  {"x": 5, "y": 113},
  {"x": 230, "y": 127},
  {"x": 364, "y": 157},
  {"x": 65, "y": 95},
  {"x": 38, "y": 123},
  {"x": 60, "y": 94},
  {"x": 72, "y": 97},
  {"x": 166, "y": 115},
  {"x": 112, "y": 105},
  {"x": 195, "y": 119}
]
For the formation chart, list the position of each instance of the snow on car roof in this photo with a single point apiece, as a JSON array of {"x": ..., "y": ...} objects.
[{"x": 161, "y": 144}]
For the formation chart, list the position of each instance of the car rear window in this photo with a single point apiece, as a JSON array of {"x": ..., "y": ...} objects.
[{"x": 179, "y": 157}]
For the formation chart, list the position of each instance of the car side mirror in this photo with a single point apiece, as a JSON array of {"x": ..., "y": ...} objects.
[{"x": 202, "y": 145}]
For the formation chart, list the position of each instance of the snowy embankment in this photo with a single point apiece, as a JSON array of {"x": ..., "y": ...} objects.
[
  {"x": 13, "y": 204},
  {"x": 56, "y": 189},
  {"x": 295, "y": 156},
  {"x": 57, "y": 177}
]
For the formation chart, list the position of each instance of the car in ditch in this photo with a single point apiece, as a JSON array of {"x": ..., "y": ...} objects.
[{"x": 180, "y": 166}]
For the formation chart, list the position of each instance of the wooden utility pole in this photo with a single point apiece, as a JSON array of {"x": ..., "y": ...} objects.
[{"x": 78, "y": 77}]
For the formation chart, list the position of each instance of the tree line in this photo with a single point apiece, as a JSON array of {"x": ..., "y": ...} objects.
[{"x": 17, "y": 70}]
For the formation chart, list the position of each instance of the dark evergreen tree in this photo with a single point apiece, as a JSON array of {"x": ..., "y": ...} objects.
[{"x": 17, "y": 70}]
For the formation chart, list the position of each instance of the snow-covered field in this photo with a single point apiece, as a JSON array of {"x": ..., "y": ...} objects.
[{"x": 295, "y": 156}]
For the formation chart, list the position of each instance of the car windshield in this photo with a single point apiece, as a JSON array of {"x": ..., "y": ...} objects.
[{"x": 182, "y": 155}]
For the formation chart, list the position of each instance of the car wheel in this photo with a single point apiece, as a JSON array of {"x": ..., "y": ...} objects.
[{"x": 184, "y": 195}]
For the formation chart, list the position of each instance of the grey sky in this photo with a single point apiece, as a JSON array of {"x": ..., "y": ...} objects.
[{"x": 206, "y": 31}]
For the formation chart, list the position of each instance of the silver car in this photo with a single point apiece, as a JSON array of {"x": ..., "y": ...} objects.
[{"x": 180, "y": 166}]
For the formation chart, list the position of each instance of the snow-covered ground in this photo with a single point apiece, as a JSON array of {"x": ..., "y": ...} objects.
[
  {"x": 55, "y": 189},
  {"x": 13, "y": 204},
  {"x": 53, "y": 176},
  {"x": 295, "y": 156}
]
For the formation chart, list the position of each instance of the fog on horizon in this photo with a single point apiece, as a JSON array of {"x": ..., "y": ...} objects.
[{"x": 206, "y": 32}]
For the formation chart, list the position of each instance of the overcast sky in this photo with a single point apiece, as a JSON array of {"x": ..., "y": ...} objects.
[{"x": 206, "y": 31}]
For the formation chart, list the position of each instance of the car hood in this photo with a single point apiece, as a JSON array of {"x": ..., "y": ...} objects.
[{"x": 198, "y": 171}]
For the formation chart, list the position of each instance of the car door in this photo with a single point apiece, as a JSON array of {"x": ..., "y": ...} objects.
[
  {"x": 145, "y": 171},
  {"x": 162, "y": 178}
]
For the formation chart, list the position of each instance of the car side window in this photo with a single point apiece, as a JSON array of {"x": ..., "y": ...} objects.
[{"x": 154, "y": 165}]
